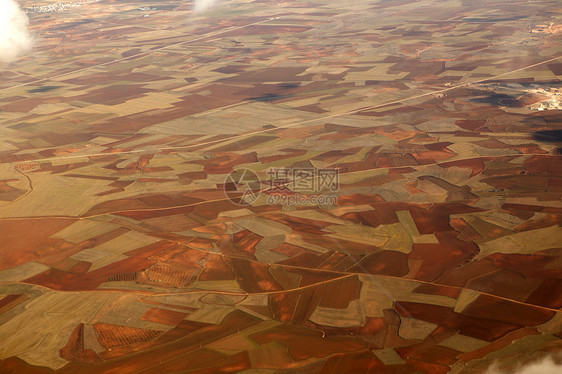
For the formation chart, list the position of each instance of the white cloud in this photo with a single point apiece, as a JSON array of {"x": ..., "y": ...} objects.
[
  {"x": 203, "y": 5},
  {"x": 544, "y": 366},
  {"x": 14, "y": 36}
]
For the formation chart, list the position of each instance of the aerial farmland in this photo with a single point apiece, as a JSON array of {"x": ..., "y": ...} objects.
[{"x": 271, "y": 187}]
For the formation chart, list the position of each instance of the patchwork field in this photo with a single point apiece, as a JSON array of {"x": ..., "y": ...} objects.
[{"x": 122, "y": 249}]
